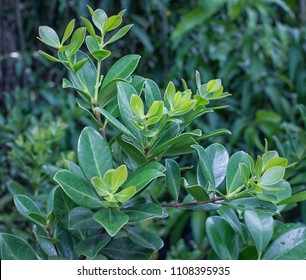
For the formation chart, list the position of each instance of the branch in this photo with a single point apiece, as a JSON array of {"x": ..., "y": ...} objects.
[{"x": 178, "y": 205}]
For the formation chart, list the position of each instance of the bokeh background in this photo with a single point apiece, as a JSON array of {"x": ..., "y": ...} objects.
[{"x": 257, "y": 48}]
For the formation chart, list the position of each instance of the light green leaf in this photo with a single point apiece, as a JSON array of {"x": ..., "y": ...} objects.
[
  {"x": 173, "y": 176},
  {"x": 112, "y": 22},
  {"x": 77, "y": 189},
  {"x": 14, "y": 248},
  {"x": 233, "y": 178},
  {"x": 291, "y": 245},
  {"x": 111, "y": 219},
  {"x": 91, "y": 246},
  {"x": 213, "y": 85},
  {"x": 125, "y": 194},
  {"x": 77, "y": 40},
  {"x": 145, "y": 239},
  {"x": 122, "y": 68},
  {"x": 100, "y": 186},
  {"x": 260, "y": 226},
  {"x": 222, "y": 238},
  {"x": 98, "y": 17},
  {"x": 119, "y": 176},
  {"x": 48, "y": 56},
  {"x": 89, "y": 27},
  {"x": 91, "y": 44},
  {"x": 137, "y": 105},
  {"x": 119, "y": 34},
  {"x": 298, "y": 197},
  {"x": 170, "y": 93},
  {"x": 77, "y": 66},
  {"x": 94, "y": 154},
  {"x": 49, "y": 36},
  {"x": 68, "y": 31},
  {"x": 275, "y": 162},
  {"x": 156, "y": 109},
  {"x": 272, "y": 176},
  {"x": 101, "y": 54}
]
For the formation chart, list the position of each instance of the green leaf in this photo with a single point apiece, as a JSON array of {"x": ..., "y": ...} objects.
[
  {"x": 89, "y": 27},
  {"x": 244, "y": 173},
  {"x": 119, "y": 176},
  {"x": 68, "y": 31},
  {"x": 14, "y": 248},
  {"x": 81, "y": 218},
  {"x": 125, "y": 249},
  {"x": 145, "y": 239},
  {"x": 291, "y": 245},
  {"x": 294, "y": 199},
  {"x": 112, "y": 22},
  {"x": 115, "y": 122},
  {"x": 48, "y": 56},
  {"x": 77, "y": 66},
  {"x": 91, "y": 246},
  {"x": 230, "y": 216},
  {"x": 222, "y": 238},
  {"x": 77, "y": 189},
  {"x": 45, "y": 242},
  {"x": 92, "y": 44},
  {"x": 100, "y": 187},
  {"x": 170, "y": 93},
  {"x": 260, "y": 226},
  {"x": 197, "y": 192},
  {"x": 111, "y": 219},
  {"x": 98, "y": 17},
  {"x": 143, "y": 212},
  {"x": 122, "y": 68},
  {"x": 233, "y": 178},
  {"x": 125, "y": 92},
  {"x": 251, "y": 203},
  {"x": 109, "y": 93},
  {"x": 94, "y": 154},
  {"x": 272, "y": 176},
  {"x": 77, "y": 40},
  {"x": 142, "y": 177},
  {"x": 137, "y": 105},
  {"x": 125, "y": 194},
  {"x": 49, "y": 36},
  {"x": 119, "y": 34},
  {"x": 275, "y": 162},
  {"x": 173, "y": 176},
  {"x": 101, "y": 54},
  {"x": 276, "y": 192},
  {"x": 213, "y": 85},
  {"x": 26, "y": 206},
  {"x": 152, "y": 93}
]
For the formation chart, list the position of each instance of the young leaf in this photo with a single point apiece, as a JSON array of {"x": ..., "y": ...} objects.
[
  {"x": 137, "y": 106},
  {"x": 94, "y": 154},
  {"x": 272, "y": 176},
  {"x": 173, "y": 176},
  {"x": 125, "y": 194},
  {"x": 119, "y": 34},
  {"x": 77, "y": 66},
  {"x": 301, "y": 196},
  {"x": 98, "y": 17},
  {"x": 68, "y": 31},
  {"x": 89, "y": 27},
  {"x": 119, "y": 176},
  {"x": 152, "y": 93},
  {"x": 14, "y": 248},
  {"x": 77, "y": 40},
  {"x": 100, "y": 186},
  {"x": 170, "y": 93},
  {"x": 77, "y": 189},
  {"x": 111, "y": 219},
  {"x": 48, "y": 56},
  {"x": 260, "y": 226},
  {"x": 101, "y": 54},
  {"x": 49, "y": 36},
  {"x": 112, "y": 22}
]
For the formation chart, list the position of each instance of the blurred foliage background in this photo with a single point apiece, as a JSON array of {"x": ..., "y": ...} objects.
[{"x": 257, "y": 48}]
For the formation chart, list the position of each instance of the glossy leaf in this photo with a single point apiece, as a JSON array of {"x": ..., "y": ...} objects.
[
  {"x": 91, "y": 246},
  {"x": 145, "y": 239},
  {"x": 94, "y": 154},
  {"x": 222, "y": 238},
  {"x": 68, "y": 31},
  {"x": 272, "y": 176},
  {"x": 77, "y": 189},
  {"x": 260, "y": 226},
  {"x": 101, "y": 54},
  {"x": 152, "y": 93},
  {"x": 125, "y": 249},
  {"x": 81, "y": 218},
  {"x": 89, "y": 27},
  {"x": 173, "y": 176},
  {"x": 291, "y": 245},
  {"x": 233, "y": 178},
  {"x": 122, "y": 68},
  {"x": 77, "y": 40},
  {"x": 111, "y": 219},
  {"x": 14, "y": 248},
  {"x": 143, "y": 212},
  {"x": 112, "y": 23},
  {"x": 137, "y": 105},
  {"x": 125, "y": 194}
]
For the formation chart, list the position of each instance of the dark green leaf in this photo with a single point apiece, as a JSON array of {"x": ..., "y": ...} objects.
[
  {"x": 222, "y": 238},
  {"x": 91, "y": 246},
  {"x": 173, "y": 176},
  {"x": 291, "y": 245},
  {"x": 77, "y": 66},
  {"x": 125, "y": 249},
  {"x": 14, "y": 248},
  {"x": 94, "y": 154},
  {"x": 111, "y": 219},
  {"x": 79, "y": 191},
  {"x": 152, "y": 93},
  {"x": 250, "y": 203},
  {"x": 81, "y": 218},
  {"x": 145, "y": 239},
  {"x": 143, "y": 212}
]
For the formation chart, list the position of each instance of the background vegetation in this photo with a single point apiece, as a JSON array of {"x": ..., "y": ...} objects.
[{"x": 257, "y": 48}]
